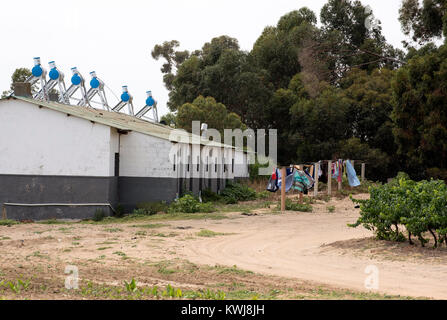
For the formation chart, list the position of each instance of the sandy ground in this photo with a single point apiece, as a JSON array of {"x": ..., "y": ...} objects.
[{"x": 317, "y": 247}]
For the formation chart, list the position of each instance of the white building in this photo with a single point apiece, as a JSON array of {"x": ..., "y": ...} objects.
[{"x": 62, "y": 161}]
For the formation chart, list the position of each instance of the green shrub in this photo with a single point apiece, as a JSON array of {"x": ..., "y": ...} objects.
[
  {"x": 189, "y": 204},
  {"x": 99, "y": 215},
  {"x": 119, "y": 211},
  {"x": 263, "y": 195},
  {"x": 330, "y": 208},
  {"x": 8, "y": 223},
  {"x": 151, "y": 208},
  {"x": 420, "y": 207},
  {"x": 296, "y": 206},
  {"x": 235, "y": 192},
  {"x": 210, "y": 196}
]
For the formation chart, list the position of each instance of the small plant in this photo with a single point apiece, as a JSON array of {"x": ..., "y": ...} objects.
[
  {"x": 235, "y": 192},
  {"x": 151, "y": 208},
  {"x": 131, "y": 286},
  {"x": 99, "y": 215},
  {"x": 263, "y": 195},
  {"x": 209, "y": 233},
  {"x": 330, "y": 209},
  {"x": 189, "y": 204},
  {"x": 295, "y": 206},
  {"x": 7, "y": 222},
  {"x": 119, "y": 211}
]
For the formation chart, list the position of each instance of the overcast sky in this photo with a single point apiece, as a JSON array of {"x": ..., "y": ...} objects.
[{"x": 115, "y": 38}]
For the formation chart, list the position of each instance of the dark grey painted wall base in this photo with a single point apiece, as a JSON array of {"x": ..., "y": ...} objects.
[
  {"x": 126, "y": 191},
  {"x": 27, "y": 189}
]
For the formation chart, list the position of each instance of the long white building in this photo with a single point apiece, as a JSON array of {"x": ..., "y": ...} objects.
[{"x": 63, "y": 161}]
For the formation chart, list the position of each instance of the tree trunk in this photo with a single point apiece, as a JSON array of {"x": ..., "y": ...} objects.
[
  {"x": 434, "y": 237},
  {"x": 409, "y": 238}
]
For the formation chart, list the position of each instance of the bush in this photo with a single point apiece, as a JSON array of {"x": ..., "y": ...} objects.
[
  {"x": 99, "y": 215},
  {"x": 235, "y": 192},
  {"x": 420, "y": 207},
  {"x": 189, "y": 204},
  {"x": 151, "y": 208},
  {"x": 210, "y": 196},
  {"x": 119, "y": 211},
  {"x": 296, "y": 206}
]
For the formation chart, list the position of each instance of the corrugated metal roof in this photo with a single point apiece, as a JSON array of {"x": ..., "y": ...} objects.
[{"x": 123, "y": 121}]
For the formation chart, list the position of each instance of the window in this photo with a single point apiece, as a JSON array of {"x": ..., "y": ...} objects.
[
  {"x": 207, "y": 164},
  {"x": 175, "y": 160},
  {"x": 198, "y": 163},
  {"x": 232, "y": 165},
  {"x": 215, "y": 165},
  {"x": 189, "y": 160}
]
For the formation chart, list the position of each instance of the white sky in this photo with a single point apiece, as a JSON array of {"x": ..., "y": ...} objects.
[{"x": 115, "y": 38}]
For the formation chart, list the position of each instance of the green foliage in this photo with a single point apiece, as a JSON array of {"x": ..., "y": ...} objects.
[
  {"x": 99, "y": 215},
  {"x": 420, "y": 117},
  {"x": 8, "y": 222},
  {"x": 207, "y": 110},
  {"x": 119, "y": 211},
  {"x": 209, "y": 196},
  {"x": 189, "y": 204},
  {"x": 151, "y": 208},
  {"x": 424, "y": 22},
  {"x": 235, "y": 192},
  {"x": 131, "y": 286},
  {"x": 421, "y": 207},
  {"x": 330, "y": 209},
  {"x": 296, "y": 206}
]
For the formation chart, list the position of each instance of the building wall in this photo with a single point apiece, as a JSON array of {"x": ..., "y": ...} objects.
[
  {"x": 146, "y": 170},
  {"x": 47, "y": 157},
  {"x": 41, "y": 141}
]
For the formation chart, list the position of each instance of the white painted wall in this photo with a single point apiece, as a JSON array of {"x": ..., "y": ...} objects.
[
  {"x": 145, "y": 156},
  {"x": 241, "y": 168},
  {"x": 40, "y": 141}
]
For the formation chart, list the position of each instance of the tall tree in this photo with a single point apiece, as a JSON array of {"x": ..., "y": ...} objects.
[
  {"x": 420, "y": 116},
  {"x": 424, "y": 21},
  {"x": 19, "y": 75},
  {"x": 207, "y": 110}
]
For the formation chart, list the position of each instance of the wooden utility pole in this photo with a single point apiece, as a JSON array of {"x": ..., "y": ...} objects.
[
  {"x": 329, "y": 178},
  {"x": 316, "y": 171},
  {"x": 4, "y": 217},
  {"x": 283, "y": 189},
  {"x": 363, "y": 171}
]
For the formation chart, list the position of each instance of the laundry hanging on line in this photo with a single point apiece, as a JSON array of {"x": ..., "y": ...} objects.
[
  {"x": 275, "y": 181},
  {"x": 352, "y": 176}
]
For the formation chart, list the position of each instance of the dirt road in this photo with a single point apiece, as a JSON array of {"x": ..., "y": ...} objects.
[
  {"x": 294, "y": 245},
  {"x": 317, "y": 247}
]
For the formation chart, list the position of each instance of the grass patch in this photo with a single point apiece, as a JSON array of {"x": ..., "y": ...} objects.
[
  {"x": 150, "y": 225},
  {"x": 53, "y": 221},
  {"x": 113, "y": 230},
  {"x": 209, "y": 233},
  {"x": 231, "y": 270},
  {"x": 104, "y": 248},
  {"x": 8, "y": 222}
]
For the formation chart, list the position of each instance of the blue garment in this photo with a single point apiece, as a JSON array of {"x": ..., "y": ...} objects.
[
  {"x": 352, "y": 176},
  {"x": 289, "y": 178}
]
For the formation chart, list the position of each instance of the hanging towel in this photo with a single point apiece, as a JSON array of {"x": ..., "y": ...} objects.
[
  {"x": 289, "y": 178},
  {"x": 352, "y": 176}
]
